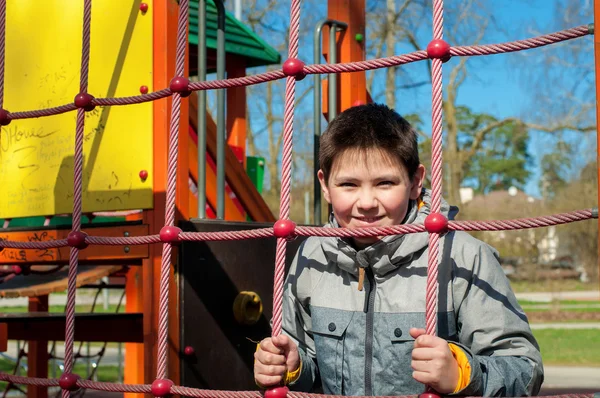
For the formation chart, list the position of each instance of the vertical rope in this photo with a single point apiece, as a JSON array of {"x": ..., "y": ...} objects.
[
  {"x": 163, "y": 304},
  {"x": 436, "y": 171},
  {"x": 286, "y": 169},
  {"x": 2, "y": 48},
  {"x": 77, "y": 193}
]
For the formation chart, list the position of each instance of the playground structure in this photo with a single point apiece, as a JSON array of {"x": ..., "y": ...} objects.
[{"x": 168, "y": 300}]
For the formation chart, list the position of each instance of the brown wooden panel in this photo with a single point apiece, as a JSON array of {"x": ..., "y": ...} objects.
[
  {"x": 61, "y": 255},
  {"x": 212, "y": 274},
  {"x": 125, "y": 328}
]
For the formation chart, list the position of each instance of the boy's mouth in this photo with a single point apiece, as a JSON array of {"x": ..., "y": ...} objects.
[{"x": 368, "y": 220}]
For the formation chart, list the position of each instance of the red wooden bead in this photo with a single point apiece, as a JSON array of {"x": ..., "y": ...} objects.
[
  {"x": 430, "y": 394},
  {"x": 189, "y": 351},
  {"x": 17, "y": 269},
  {"x": 77, "y": 239},
  {"x": 143, "y": 175},
  {"x": 436, "y": 223},
  {"x": 161, "y": 387},
  {"x": 84, "y": 100},
  {"x": 144, "y": 89},
  {"x": 438, "y": 49},
  {"x": 68, "y": 381},
  {"x": 277, "y": 392},
  {"x": 144, "y": 7},
  {"x": 170, "y": 234},
  {"x": 294, "y": 67},
  {"x": 179, "y": 84},
  {"x": 284, "y": 228},
  {"x": 4, "y": 119}
]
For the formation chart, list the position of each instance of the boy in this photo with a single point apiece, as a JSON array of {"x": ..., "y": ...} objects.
[{"x": 354, "y": 309}]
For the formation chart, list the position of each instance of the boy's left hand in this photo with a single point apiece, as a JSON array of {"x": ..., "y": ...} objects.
[{"x": 433, "y": 362}]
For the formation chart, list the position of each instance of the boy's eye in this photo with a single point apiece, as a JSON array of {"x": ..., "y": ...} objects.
[
  {"x": 385, "y": 183},
  {"x": 346, "y": 184}
]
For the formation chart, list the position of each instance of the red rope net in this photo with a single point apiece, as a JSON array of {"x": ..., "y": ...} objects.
[{"x": 438, "y": 51}]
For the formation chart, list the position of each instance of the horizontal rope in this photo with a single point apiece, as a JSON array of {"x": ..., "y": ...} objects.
[
  {"x": 421, "y": 55},
  {"x": 519, "y": 45},
  {"x": 194, "y": 392},
  {"x": 122, "y": 240},
  {"x": 492, "y": 225}
]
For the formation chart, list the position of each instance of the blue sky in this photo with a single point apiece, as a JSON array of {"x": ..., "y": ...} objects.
[{"x": 498, "y": 85}]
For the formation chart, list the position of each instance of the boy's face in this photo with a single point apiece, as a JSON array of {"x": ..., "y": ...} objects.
[{"x": 369, "y": 189}]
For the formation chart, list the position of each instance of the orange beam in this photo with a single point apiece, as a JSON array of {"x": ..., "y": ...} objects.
[
  {"x": 236, "y": 109},
  {"x": 61, "y": 255},
  {"x": 37, "y": 355},
  {"x": 134, "y": 351},
  {"x": 353, "y": 86},
  {"x": 165, "y": 15}
]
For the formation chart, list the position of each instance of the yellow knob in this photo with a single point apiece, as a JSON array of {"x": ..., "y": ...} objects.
[{"x": 247, "y": 308}]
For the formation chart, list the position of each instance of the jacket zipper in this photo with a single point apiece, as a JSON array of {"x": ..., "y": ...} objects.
[{"x": 370, "y": 311}]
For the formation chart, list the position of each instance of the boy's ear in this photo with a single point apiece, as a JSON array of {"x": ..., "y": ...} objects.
[
  {"x": 417, "y": 182},
  {"x": 324, "y": 187}
]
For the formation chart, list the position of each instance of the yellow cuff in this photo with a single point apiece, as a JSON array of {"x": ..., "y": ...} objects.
[
  {"x": 291, "y": 377},
  {"x": 464, "y": 367},
  {"x": 288, "y": 377}
]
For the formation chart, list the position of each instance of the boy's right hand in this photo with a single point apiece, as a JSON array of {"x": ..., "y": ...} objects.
[{"x": 274, "y": 358}]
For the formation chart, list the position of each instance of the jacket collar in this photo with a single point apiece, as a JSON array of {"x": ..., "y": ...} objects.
[{"x": 390, "y": 252}]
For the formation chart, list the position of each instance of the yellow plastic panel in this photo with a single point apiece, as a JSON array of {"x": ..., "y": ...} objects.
[{"x": 43, "y": 62}]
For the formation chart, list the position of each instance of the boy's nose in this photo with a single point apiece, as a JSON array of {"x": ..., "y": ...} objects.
[{"x": 367, "y": 200}]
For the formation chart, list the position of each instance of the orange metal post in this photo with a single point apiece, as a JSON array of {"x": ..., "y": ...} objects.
[
  {"x": 165, "y": 15},
  {"x": 236, "y": 109},
  {"x": 134, "y": 352},
  {"x": 37, "y": 355},
  {"x": 597, "y": 59},
  {"x": 353, "y": 86}
]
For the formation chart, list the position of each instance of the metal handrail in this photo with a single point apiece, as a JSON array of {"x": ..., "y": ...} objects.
[{"x": 334, "y": 27}]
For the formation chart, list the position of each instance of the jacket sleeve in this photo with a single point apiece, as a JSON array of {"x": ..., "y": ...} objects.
[
  {"x": 297, "y": 322},
  {"x": 493, "y": 330}
]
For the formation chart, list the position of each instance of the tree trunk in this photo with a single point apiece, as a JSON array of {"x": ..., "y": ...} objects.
[{"x": 452, "y": 154}]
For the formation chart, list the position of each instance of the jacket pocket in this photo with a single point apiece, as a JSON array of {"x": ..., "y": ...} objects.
[
  {"x": 392, "y": 355},
  {"x": 329, "y": 331}
]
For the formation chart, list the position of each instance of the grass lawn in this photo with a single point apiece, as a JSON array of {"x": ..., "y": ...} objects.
[
  {"x": 565, "y": 285},
  {"x": 575, "y": 347}
]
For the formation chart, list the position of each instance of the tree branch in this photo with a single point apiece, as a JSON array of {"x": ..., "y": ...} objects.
[{"x": 479, "y": 136}]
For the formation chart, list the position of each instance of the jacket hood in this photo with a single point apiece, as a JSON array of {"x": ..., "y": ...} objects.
[{"x": 390, "y": 252}]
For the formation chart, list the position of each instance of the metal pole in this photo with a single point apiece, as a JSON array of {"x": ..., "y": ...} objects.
[
  {"x": 220, "y": 110},
  {"x": 332, "y": 77},
  {"x": 202, "y": 110},
  {"x": 317, "y": 126},
  {"x": 238, "y": 9},
  {"x": 334, "y": 26}
]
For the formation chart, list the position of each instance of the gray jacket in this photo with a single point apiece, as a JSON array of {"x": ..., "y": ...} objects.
[{"x": 358, "y": 343}]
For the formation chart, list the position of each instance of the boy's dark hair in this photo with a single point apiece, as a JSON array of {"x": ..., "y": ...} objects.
[{"x": 366, "y": 127}]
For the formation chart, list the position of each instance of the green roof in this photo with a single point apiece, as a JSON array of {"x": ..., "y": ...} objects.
[{"x": 239, "y": 39}]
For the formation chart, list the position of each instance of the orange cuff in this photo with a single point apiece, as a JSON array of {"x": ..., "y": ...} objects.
[{"x": 464, "y": 367}]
